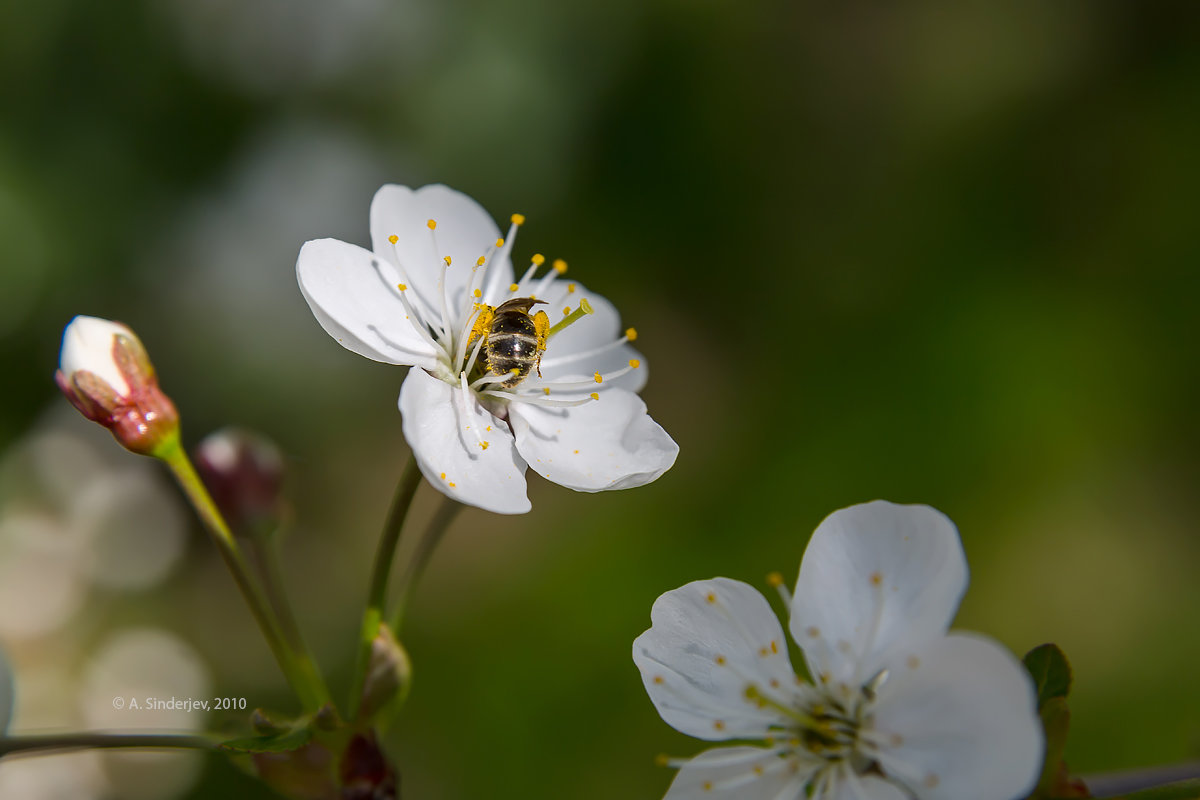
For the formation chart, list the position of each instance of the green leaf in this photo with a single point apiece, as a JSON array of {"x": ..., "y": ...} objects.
[
  {"x": 1050, "y": 670},
  {"x": 278, "y": 743}
]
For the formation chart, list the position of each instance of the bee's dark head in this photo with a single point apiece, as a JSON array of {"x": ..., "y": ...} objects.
[{"x": 522, "y": 304}]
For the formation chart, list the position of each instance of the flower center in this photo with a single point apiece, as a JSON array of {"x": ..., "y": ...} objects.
[{"x": 491, "y": 344}]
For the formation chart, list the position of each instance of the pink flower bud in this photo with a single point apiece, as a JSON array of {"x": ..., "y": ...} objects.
[
  {"x": 244, "y": 473},
  {"x": 105, "y": 373}
]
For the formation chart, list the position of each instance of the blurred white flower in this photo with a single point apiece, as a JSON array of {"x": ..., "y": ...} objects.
[
  {"x": 158, "y": 677},
  {"x": 899, "y": 709},
  {"x": 423, "y": 297}
]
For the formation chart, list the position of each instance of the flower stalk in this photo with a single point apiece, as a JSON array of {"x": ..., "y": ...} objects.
[
  {"x": 41, "y": 744},
  {"x": 385, "y": 554},
  {"x": 415, "y": 568},
  {"x": 298, "y": 666}
]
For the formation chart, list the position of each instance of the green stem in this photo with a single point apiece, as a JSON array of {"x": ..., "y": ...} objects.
[
  {"x": 55, "y": 742},
  {"x": 305, "y": 680},
  {"x": 1147, "y": 783},
  {"x": 385, "y": 554},
  {"x": 446, "y": 513},
  {"x": 266, "y": 553}
]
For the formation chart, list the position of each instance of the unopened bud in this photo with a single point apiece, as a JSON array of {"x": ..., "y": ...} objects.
[
  {"x": 104, "y": 371},
  {"x": 388, "y": 679},
  {"x": 244, "y": 473},
  {"x": 365, "y": 771}
]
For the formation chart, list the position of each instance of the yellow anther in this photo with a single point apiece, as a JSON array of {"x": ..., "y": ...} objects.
[
  {"x": 484, "y": 445},
  {"x": 488, "y": 428},
  {"x": 518, "y": 219},
  {"x": 560, "y": 266},
  {"x": 478, "y": 293},
  {"x": 633, "y": 362},
  {"x": 599, "y": 378},
  {"x": 402, "y": 287},
  {"x": 774, "y": 580},
  {"x": 758, "y": 770},
  {"x": 774, "y": 646},
  {"x": 876, "y": 578},
  {"x": 570, "y": 288},
  {"x": 393, "y": 238},
  {"x": 708, "y": 786},
  {"x": 594, "y": 396},
  {"x": 546, "y": 390},
  {"x": 451, "y": 484},
  {"x": 658, "y": 679},
  {"x": 719, "y": 725},
  {"x": 710, "y": 598},
  {"x": 432, "y": 224},
  {"x": 513, "y": 287},
  {"x": 447, "y": 260},
  {"x": 566, "y": 311},
  {"x": 538, "y": 259},
  {"x": 479, "y": 261},
  {"x": 662, "y": 760},
  {"x": 499, "y": 243},
  {"x": 443, "y": 476},
  {"x": 631, "y": 334}
]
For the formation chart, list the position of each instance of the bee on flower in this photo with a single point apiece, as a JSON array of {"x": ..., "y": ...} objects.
[{"x": 496, "y": 386}]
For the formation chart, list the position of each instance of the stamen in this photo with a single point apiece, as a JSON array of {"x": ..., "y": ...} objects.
[
  {"x": 489, "y": 378},
  {"x": 410, "y": 314},
  {"x": 402, "y": 271},
  {"x": 466, "y": 409},
  {"x": 560, "y": 266},
  {"x": 775, "y": 581},
  {"x": 445, "y": 320},
  {"x": 584, "y": 308},
  {"x": 467, "y": 327},
  {"x": 470, "y": 365},
  {"x": 534, "y": 400},
  {"x": 538, "y": 259},
  {"x": 550, "y": 363},
  {"x": 585, "y": 383}
]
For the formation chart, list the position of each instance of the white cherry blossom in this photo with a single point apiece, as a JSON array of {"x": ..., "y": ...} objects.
[
  {"x": 897, "y": 709},
  {"x": 438, "y": 262}
]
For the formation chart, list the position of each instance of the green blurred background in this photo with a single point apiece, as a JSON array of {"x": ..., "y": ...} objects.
[{"x": 939, "y": 253}]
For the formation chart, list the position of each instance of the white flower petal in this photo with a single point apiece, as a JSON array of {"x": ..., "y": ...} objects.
[
  {"x": 353, "y": 295},
  {"x": 465, "y": 231},
  {"x": 88, "y": 345},
  {"x": 709, "y": 641},
  {"x": 6, "y": 694},
  {"x": 745, "y": 773},
  {"x": 445, "y": 440},
  {"x": 875, "y": 577},
  {"x": 609, "y": 443},
  {"x": 595, "y": 331},
  {"x": 850, "y": 786},
  {"x": 958, "y": 718}
]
